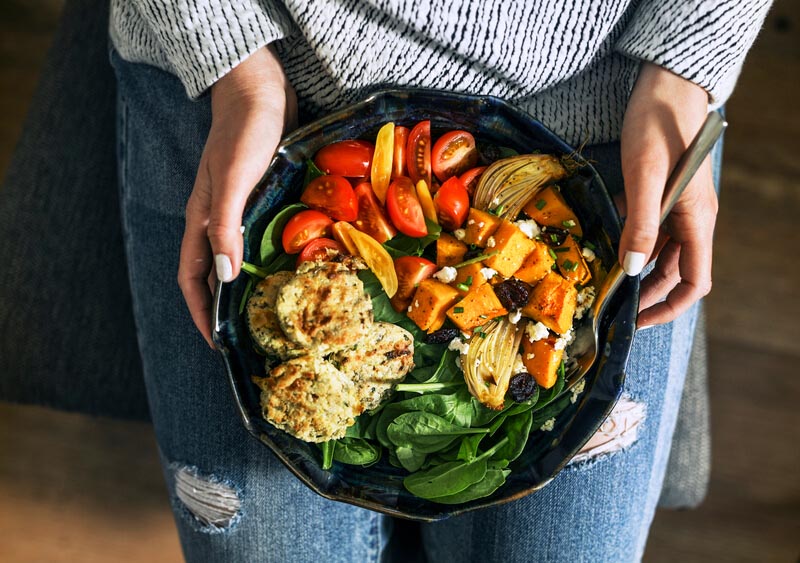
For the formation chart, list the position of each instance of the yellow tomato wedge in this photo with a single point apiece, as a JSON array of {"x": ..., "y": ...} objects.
[
  {"x": 341, "y": 232},
  {"x": 376, "y": 258},
  {"x": 426, "y": 201},
  {"x": 382, "y": 161}
]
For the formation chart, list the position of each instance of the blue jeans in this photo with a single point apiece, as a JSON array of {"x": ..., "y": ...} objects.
[{"x": 596, "y": 510}]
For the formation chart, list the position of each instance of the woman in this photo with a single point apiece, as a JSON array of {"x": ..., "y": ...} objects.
[{"x": 634, "y": 78}]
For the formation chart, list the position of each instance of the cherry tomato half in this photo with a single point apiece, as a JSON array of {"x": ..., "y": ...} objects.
[
  {"x": 470, "y": 178},
  {"x": 418, "y": 153},
  {"x": 453, "y": 154},
  {"x": 320, "y": 249},
  {"x": 303, "y": 228},
  {"x": 452, "y": 204},
  {"x": 400, "y": 144},
  {"x": 333, "y": 195},
  {"x": 346, "y": 158},
  {"x": 410, "y": 271},
  {"x": 371, "y": 218},
  {"x": 404, "y": 208}
]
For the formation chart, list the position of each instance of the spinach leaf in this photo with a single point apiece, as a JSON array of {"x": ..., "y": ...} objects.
[
  {"x": 271, "y": 244},
  {"x": 327, "y": 453},
  {"x": 355, "y": 451},
  {"x": 404, "y": 245},
  {"x": 446, "y": 479},
  {"x": 281, "y": 262},
  {"x": 554, "y": 409},
  {"x": 248, "y": 289},
  {"x": 517, "y": 408},
  {"x": 468, "y": 450},
  {"x": 516, "y": 429},
  {"x": 312, "y": 171},
  {"x": 409, "y": 458},
  {"x": 548, "y": 395},
  {"x": 492, "y": 481},
  {"x": 426, "y": 432}
]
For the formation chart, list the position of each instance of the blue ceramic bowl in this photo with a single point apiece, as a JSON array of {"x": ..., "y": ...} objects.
[{"x": 380, "y": 486}]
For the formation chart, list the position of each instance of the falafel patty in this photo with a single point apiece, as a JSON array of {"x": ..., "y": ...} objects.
[
  {"x": 262, "y": 321},
  {"x": 309, "y": 398},
  {"x": 384, "y": 358},
  {"x": 324, "y": 307}
]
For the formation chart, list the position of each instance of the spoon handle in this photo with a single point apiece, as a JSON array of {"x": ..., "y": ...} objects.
[{"x": 678, "y": 179}]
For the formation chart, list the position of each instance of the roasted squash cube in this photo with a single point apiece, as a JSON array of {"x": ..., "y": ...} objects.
[
  {"x": 537, "y": 265},
  {"x": 469, "y": 276},
  {"x": 480, "y": 226},
  {"x": 430, "y": 303},
  {"x": 449, "y": 250},
  {"x": 549, "y": 208},
  {"x": 512, "y": 246},
  {"x": 541, "y": 359},
  {"x": 571, "y": 263},
  {"x": 552, "y": 302},
  {"x": 477, "y": 308}
]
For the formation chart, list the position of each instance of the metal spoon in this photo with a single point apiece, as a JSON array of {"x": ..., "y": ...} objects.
[{"x": 584, "y": 349}]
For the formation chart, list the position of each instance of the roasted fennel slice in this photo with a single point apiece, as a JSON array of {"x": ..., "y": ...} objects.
[
  {"x": 508, "y": 184},
  {"x": 489, "y": 361}
]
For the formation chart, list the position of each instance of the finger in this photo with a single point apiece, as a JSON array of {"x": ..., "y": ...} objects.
[
  {"x": 695, "y": 269},
  {"x": 229, "y": 195},
  {"x": 644, "y": 185},
  {"x": 663, "y": 278},
  {"x": 195, "y": 265}
]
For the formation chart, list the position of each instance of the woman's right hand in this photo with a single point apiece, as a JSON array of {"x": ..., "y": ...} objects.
[{"x": 251, "y": 107}]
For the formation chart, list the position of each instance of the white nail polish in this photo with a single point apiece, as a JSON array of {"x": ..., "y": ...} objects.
[
  {"x": 644, "y": 327},
  {"x": 224, "y": 268},
  {"x": 633, "y": 263}
]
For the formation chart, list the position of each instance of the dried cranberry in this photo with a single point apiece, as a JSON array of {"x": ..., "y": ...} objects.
[
  {"x": 554, "y": 236},
  {"x": 441, "y": 336},
  {"x": 522, "y": 387},
  {"x": 512, "y": 293}
]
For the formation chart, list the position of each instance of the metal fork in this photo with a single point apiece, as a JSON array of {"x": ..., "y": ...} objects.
[{"x": 584, "y": 349}]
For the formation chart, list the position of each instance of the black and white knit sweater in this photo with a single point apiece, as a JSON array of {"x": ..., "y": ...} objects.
[{"x": 570, "y": 63}]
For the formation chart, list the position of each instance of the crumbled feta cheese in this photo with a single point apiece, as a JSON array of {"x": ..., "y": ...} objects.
[
  {"x": 496, "y": 201},
  {"x": 519, "y": 365},
  {"x": 528, "y": 227},
  {"x": 548, "y": 425},
  {"x": 531, "y": 356},
  {"x": 536, "y": 331},
  {"x": 458, "y": 345},
  {"x": 446, "y": 274},
  {"x": 577, "y": 390},
  {"x": 460, "y": 234},
  {"x": 490, "y": 242},
  {"x": 488, "y": 273},
  {"x": 481, "y": 224},
  {"x": 564, "y": 340},
  {"x": 588, "y": 253},
  {"x": 471, "y": 222},
  {"x": 410, "y": 308},
  {"x": 584, "y": 301},
  {"x": 515, "y": 316},
  {"x": 416, "y": 303}
]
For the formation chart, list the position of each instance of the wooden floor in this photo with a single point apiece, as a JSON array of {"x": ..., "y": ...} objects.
[{"x": 73, "y": 488}]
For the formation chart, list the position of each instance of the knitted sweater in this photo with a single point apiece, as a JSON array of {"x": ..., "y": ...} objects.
[{"x": 571, "y": 64}]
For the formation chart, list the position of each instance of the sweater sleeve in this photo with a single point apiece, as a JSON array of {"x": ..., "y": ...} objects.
[
  {"x": 204, "y": 39},
  {"x": 704, "y": 41}
]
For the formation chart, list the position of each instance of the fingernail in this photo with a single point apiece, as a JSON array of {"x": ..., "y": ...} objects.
[
  {"x": 644, "y": 327},
  {"x": 224, "y": 268},
  {"x": 633, "y": 263}
]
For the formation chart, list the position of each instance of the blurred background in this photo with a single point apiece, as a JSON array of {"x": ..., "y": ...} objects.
[{"x": 77, "y": 488}]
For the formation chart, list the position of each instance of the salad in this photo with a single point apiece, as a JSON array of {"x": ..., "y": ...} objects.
[{"x": 417, "y": 305}]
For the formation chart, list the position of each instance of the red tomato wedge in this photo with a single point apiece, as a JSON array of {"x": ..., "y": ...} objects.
[
  {"x": 404, "y": 208},
  {"x": 303, "y": 228},
  {"x": 320, "y": 249},
  {"x": 418, "y": 153},
  {"x": 333, "y": 195},
  {"x": 400, "y": 144},
  {"x": 410, "y": 271},
  {"x": 371, "y": 218},
  {"x": 470, "y": 178},
  {"x": 350, "y": 158},
  {"x": 454, "y": 153},
  {"x": 452, "y": 204}
]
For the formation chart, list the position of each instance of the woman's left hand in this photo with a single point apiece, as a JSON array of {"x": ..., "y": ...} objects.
[{"x": 664, "y": 113}]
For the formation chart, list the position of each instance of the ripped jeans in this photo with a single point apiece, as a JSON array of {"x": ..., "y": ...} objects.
[{"x": 234, "y": 501}]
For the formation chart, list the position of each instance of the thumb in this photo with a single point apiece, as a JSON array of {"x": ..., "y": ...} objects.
[
  {"x": 228, "y": 197},
  {"x": 644, "y": 187}
]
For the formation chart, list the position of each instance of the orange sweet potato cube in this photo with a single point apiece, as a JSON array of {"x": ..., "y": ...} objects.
[
  {"x": 470, "y": 276},
  {"x": 537, "y": 265},
  {"x": 449, "y": 250},
  {"x": 512, "y": 246},
  {"x": 549, "y": 208},
  {"x": 541, "y": 360},
  {"x": 552, "y": 302},
  {"x": 430, "y": 303},
  {"x": 477, "y": 308},
  {"x": 571, "y": 263},
  {"x": 480, "y": 226}
]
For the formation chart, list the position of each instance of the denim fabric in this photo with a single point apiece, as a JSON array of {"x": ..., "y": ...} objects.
[{"x": 599, "y": 510}]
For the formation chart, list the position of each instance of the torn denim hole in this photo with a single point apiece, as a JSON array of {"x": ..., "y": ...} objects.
[
  {"x": 213, "y": 502},
  {"x": 618, "y": 432}
]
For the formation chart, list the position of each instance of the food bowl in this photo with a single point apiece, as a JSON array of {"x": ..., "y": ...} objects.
[{"x": 380, "y": 486}]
